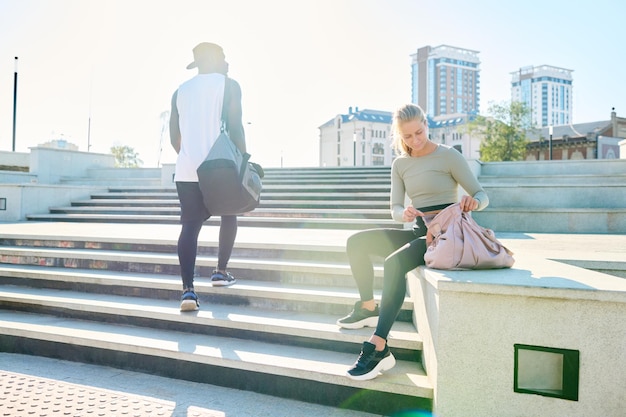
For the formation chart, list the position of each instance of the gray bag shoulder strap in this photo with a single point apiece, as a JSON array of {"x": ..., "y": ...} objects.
[{"x": 225, "y": 105}]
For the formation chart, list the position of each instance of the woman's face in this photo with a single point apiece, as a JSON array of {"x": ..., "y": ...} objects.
[{"x": 414, "y": 134}]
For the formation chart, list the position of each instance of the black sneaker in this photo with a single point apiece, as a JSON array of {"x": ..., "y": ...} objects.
[
  {"x": 371, "y": 362},
  {"x": 189, "y": 301},
  {"x": 219, "y": 279},
  {"x": 359, "y": 317}
]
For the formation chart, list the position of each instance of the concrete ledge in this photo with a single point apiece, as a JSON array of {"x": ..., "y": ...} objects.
[
  {"x": 556, "y": 167},
  {"x": 470, "y": 321},
  {"x": 25, "y": 199},
  {"x": 17, "y": 177},
  {"x": 167, "y": 174},
  {"x": 16, "y": 159},
  {"x": 554, "y": 220},
  {"x": 50, "y": 165}
]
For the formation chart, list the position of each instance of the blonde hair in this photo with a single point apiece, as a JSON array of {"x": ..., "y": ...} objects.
[{"x": 406, "y": 113}]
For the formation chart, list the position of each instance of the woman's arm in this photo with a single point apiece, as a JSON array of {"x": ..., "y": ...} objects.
[{"x": 464, "y": 176}]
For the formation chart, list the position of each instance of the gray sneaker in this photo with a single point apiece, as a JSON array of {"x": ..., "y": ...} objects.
[{"x": 359, "y": 317}]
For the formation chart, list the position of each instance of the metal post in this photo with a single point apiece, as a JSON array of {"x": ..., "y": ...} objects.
[
  {"x": 550, "y": 130},
  {"x": 14, "y": 102},
  {"x": 354, "y": 148}
]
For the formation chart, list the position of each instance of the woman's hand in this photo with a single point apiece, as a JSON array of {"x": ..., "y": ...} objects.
[
  {"x": 429, "y": 238},
  {"x": 468, "y": 203},
  {"x": 410, "y": 213}
]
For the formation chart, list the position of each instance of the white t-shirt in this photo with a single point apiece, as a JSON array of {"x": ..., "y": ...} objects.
[{"x": 199, "y": 103}]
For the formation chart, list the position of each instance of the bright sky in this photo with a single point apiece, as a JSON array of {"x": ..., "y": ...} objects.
[{"x": 116, "y": 63}]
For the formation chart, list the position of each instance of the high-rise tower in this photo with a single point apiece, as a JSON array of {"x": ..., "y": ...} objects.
[
  {"x": 547, "y": 91},
  {"x": 446, "y": 80}
]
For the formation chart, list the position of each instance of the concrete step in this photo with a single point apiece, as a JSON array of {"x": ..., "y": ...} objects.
[
  {"x": 315, "y": 187},
  {"x": 245, "y": 220},
  {"x": 313, "y": 208},
  {"x": 304, "y": 328},
  {"x": 172, "y": 197},
  {"x": 104, "y": 182},
  {"x": 149, "y": 193},
  {"x": 164, "y": 241},
  {"x": 328, "y": 171},
  {"x": 124, "y": 173},
  {"x": 277, "y": 209},
  {"x": 284, "y": 271},
  {"x": 343, "y": 196},
  {"x": 143, "y": 177},
  {"x": 279, "y": 201},
  {"x": 299, "y": 181},
  {"x": 282, "y": 296},
  {"x": 290, "y": 371}
]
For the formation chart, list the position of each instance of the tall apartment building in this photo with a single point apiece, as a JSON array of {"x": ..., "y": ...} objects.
[
  {"x": 446, "y": 80},
  {"x": 547, "y": 91}
]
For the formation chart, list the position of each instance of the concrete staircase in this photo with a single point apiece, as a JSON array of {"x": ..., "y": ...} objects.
[
  {"x": 555, "y": 196},
  {"x": 534, "y": 196},
  {"x": 342, "y": 198},
  {"x": 112, "y": 297},
  {"x": 109, "y": 294}
]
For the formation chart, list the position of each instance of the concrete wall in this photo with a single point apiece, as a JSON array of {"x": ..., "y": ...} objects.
[
  {"x": 50, "y": 165},
  {"x": 471, "y": 320},
  {"x": 167, "y": 174},
  {"x": 16, "y": 159},
  {"x": 17, "y": 177},
  {"x": 550, "y": 168},
  {"x": 23, "y": 199},
  {"x": 35, "y": 192}
]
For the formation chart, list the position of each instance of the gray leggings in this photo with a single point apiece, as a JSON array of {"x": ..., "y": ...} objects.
[{"x": 403, "y": 250}]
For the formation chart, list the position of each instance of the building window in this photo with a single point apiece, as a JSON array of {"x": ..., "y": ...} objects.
[{"x": 378, "y": 154}]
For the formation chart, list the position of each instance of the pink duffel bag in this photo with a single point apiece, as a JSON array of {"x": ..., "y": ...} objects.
[{"x": 461, "y": 243}]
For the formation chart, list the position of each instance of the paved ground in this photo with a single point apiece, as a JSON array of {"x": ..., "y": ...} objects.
[{"x": 32, "y": 386}]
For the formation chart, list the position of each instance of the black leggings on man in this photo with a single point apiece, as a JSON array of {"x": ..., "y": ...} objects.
[
  {"x": 403, "y": 250},
  {"x": 193, "y": 215}
]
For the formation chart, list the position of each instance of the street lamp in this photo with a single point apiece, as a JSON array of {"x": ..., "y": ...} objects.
[
  {"x": 14, "y": 101},
  {"x": 354, "y": 147},
  {"x": 550, "y": 131}
]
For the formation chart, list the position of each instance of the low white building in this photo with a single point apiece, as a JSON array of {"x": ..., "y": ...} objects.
[
  {"x": 451, "y": 130},
  {"x": 363, "y": 137},
  {"x": 359, "y": 138}
]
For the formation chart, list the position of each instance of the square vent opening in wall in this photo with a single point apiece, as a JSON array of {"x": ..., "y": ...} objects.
[{"x": 551, "y": 372}]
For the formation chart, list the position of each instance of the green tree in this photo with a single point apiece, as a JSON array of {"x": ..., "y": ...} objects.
[
  {"x": 504, "y": 132},
  {"x": 126, "y": 157}
]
